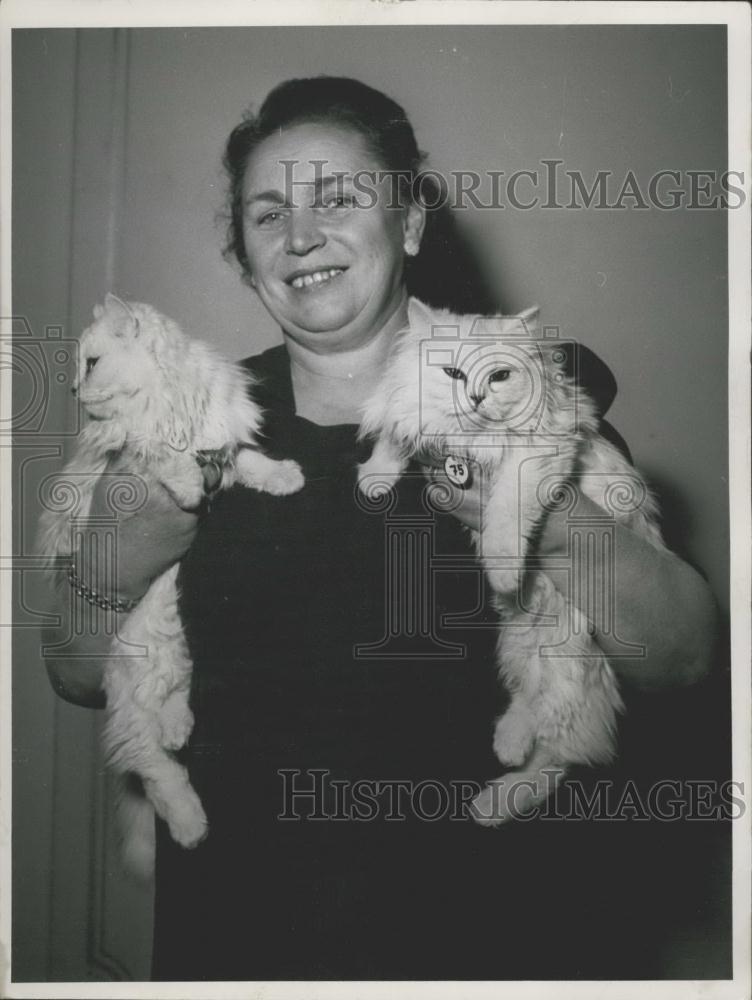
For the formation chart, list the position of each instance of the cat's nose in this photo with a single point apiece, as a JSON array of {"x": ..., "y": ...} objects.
[{"x": 476, "y": 400}]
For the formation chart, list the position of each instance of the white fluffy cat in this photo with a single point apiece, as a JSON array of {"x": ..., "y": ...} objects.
[
  {"x": 492, "y": 391},
  {"x": 158, "y": 399}
]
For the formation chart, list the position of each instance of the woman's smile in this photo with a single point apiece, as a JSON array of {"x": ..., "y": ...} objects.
[{"x": 306, "y": 280}]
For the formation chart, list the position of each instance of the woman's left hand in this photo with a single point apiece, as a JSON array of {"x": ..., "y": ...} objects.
[
  {"x": 658, "y": 602},
  {"x": 466, "y": 502}
]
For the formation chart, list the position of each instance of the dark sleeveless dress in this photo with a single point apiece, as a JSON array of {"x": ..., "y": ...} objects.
[{"x": 336, "y": 647}]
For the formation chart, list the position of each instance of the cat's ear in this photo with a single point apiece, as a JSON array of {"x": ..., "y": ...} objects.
[
  {"x": 112, "y": 302},
  {"x": 419, "y": 314},
  {"x": 116, "y": 305},
  {"x": 530, "y": 319}
]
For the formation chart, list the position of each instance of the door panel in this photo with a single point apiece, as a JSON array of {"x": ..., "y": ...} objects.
[{"x": 75, "y": 915}]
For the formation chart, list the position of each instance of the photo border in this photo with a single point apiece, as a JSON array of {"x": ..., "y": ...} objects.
[{"x": 185, "y": 13}]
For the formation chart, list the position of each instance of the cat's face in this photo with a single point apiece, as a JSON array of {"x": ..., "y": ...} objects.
[
  {"x": 476, "y": 374},
  {"x": 116, "y": 365}
]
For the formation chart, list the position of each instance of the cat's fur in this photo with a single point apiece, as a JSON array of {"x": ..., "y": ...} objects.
[
  {"x": 492, "y": 390},
  {"x": 156, "y": 398}
]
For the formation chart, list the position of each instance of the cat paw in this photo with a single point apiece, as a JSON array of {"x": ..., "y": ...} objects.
[
  {"x": 374, "y": 483},
  {"x": 505, "y": 581},
  {"x": 176, "y": 721},
  {"x": 187, "y": 820},
  {"x": 501, "y": 801},
  {"x": 285, "y": 477},
  {"x": 513, "y": 739},
  {"x": 487, "y": 807}
]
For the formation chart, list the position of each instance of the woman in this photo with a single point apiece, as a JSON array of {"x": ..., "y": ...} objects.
[{"x": 299, "y": 684}]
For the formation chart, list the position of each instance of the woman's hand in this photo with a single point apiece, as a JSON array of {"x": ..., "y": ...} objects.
[
  {"x": 466, "y": 504},
  {"x": 151, "y": 535},
  {"x": 658, "y": 602},
  {"x": 152, "y": 532}
]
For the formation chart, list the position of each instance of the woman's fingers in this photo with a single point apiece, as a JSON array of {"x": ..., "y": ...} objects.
[
  {"x": 151, "y": 531},
  {"x": 465, "y": 501},
  {"x": 124, "y": 493}
]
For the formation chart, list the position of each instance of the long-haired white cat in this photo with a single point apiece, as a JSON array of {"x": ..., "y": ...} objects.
[
  {"x": 492, "y": 391},
  {"x": 159, "y": 400}
]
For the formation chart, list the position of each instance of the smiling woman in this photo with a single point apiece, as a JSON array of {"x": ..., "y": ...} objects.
[
  {"x": 324, "y": 251},
  {"x": 327, "y": 268},
  {"x": 334, "y": 669}
]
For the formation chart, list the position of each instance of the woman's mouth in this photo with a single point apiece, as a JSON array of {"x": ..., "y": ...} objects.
[{"x": 314, "y": 279}]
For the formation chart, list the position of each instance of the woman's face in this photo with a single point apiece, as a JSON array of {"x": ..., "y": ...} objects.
[{"x": 326, "y": 258}]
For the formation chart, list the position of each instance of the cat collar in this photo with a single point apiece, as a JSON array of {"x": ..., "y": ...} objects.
[{"x": 212, "y": 463}]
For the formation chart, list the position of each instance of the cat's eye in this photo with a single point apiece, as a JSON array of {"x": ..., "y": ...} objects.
[
  {"x": 500, "y": 375},
  {"x": 90, "y": 362},
  {"x": 455, "y": 373}
]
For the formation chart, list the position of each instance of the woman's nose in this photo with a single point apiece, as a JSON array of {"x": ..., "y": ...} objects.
[{"x": 303, "y": 233}]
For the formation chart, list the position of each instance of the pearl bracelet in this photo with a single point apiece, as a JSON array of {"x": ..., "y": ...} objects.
[{"x": 106, "y": 603}]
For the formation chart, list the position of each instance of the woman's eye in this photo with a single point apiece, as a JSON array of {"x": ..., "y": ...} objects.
[
  {"x": 340, "y": 201},
  {"x": 270, "y": 218},
  {"x": 500, "y": 376},
  {"x": 90, "y": 362},
  {"x": 455, "y": 373}
]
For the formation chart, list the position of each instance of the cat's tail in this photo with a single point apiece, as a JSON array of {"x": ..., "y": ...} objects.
[
  {"x": 518, "y": 793},
  {"x": 134, "y": 816}
]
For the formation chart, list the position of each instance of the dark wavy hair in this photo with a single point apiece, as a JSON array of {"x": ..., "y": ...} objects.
[{"x": 332, "y": 100}]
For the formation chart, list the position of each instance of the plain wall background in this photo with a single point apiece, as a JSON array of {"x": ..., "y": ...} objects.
[{"x": 117, "y": 182}]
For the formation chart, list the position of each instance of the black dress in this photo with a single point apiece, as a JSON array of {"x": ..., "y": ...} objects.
[{"x": 351, "y": 651}]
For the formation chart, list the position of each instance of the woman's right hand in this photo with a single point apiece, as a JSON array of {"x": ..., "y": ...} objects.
[{"x": 152, "y": 533}]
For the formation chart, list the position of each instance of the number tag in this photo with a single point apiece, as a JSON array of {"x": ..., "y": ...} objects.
[{"x": 457, "y": 471}]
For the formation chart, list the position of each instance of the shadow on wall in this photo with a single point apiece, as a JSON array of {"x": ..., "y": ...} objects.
[
  {"x": 446, "y": 273},
  {"x": 677, "y": 522}
]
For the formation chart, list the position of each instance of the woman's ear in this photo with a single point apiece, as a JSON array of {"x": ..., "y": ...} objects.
[{"x": 415, "y": 223}]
